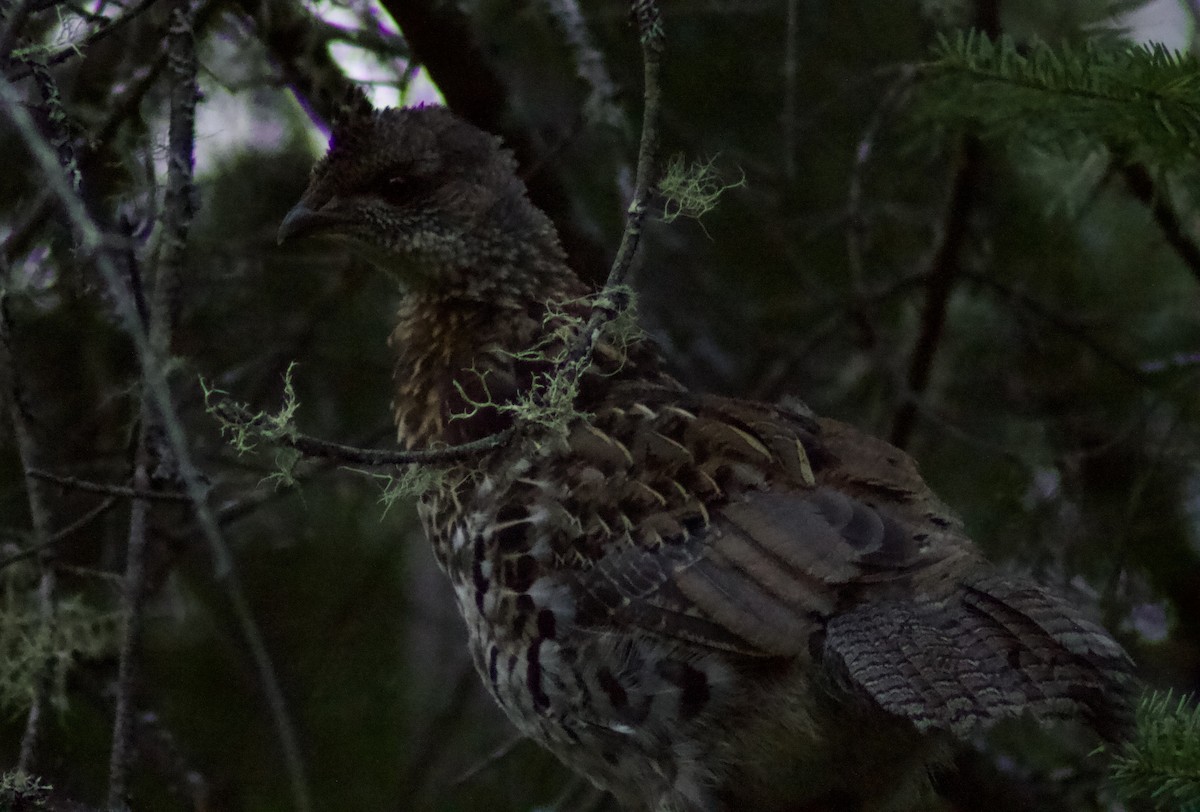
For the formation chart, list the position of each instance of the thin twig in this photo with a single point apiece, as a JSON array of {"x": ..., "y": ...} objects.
[
  {"x": 947, "y": 264},
  {"x": 130, "y": 643},
  {"x": 177, "y": 217},
  {"x": 130, "y": 101},
  {"x": 39, "y": 513},
  {"x": 90, "y": 246},
  {"x": 105, "y": 26},
  {"x": 497, "y": 755},
  {"x": 314, "y": 447},
  {"x": 56, "y": 119},
  {"x": 47, "y": 585},
  {"x": 855, "y": 220},
  {"x": 122, "y": 491},
  {"x": 836, "y": 313},
  {"x": 943, "y": 274},
  {"x": 236, "y": 510},
  {"x": 32, "y": 218},
  {"x": 236, "y": 414},
  {"x": 62, "y": 535},
  {"x": 1048, "y": 314},
  {"x": 653, "y": 39}
]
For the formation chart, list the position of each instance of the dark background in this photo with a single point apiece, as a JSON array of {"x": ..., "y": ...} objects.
[{"x": 1017, "y": 316}]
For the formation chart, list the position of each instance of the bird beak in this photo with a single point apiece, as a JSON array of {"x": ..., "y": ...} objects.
[{"x": 303, "y": 220}]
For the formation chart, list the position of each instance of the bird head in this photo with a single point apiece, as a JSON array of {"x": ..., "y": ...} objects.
[{"x": 428, "y": 198}]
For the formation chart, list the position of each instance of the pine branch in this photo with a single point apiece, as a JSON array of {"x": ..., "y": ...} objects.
[
  {"x": 1140, "y": 99},
  {"x": 1162, "y": 762}
]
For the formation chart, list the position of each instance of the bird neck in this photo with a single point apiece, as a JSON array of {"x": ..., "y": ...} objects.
[
  {"x": 511, "y": 255},
  {"x": 463, "y": 361}
]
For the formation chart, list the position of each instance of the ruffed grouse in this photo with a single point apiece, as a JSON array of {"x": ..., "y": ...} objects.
[{"x": 699, "y": 603}]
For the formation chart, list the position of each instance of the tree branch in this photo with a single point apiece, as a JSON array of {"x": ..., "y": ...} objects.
[
  {"x": 39, "y": 513},
  {"x": 104, "y": 27},
  {"x": 943, "y": 274},
  {"x": 1143, "y": 187},
  {"x": 1048, "y": 314},
  {"x": 62, "y": 535},
  {"x": 121, "y": 491},
  {"x": 90, "y": 246},
  {"x": 178, "y": 213},
  {"x": 860, "y": 310},
  {"x": 313, "y": 447},
  {"x": 653, "y": 40}
]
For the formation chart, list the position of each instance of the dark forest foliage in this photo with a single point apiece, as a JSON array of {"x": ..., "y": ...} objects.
[{"x": 969, "y": 227}]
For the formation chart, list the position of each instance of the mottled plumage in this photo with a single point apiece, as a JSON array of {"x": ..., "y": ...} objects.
[{"x": 700, "y": 603}]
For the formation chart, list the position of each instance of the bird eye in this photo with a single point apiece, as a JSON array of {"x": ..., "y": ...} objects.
[
  {"x": 405, "y": 189},
  {"x": 396, "y": 189}
]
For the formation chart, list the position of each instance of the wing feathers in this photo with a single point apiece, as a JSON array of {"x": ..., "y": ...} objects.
[{"x": 999, "y": 649}]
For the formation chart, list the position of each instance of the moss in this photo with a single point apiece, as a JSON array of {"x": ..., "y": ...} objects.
[{"x": 692, "y": 191}]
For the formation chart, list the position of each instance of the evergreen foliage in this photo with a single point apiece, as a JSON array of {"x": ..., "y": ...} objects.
[
  {"x": 1137, "y": 100},
  {"x": 1162, "y": 762}
]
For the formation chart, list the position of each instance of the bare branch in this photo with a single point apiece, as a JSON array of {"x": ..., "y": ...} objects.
[
  {"x": 122, "y": 491},
  {"x": 943, "y": 274},
  {"x": 855, "y": 221},
  {"x": 1143, "y": 187},
  {"x": 132, "y": 589},
  {"x": 947, "y": 261},
  {"x": 1018, "y": 298},
  {"x": 179, "y": 210},
  {"x": 498, "y": 754},
  {"x": 314, "y": 447},
  {"x": 608, "y": 306},
  {"x": 104, "y": 27},
  {"x": 62, "y": 535},
  {"x": 90, "y": 246},
  {"x": 39, "y": 513},
  {"x": 237, "y": 415}
]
